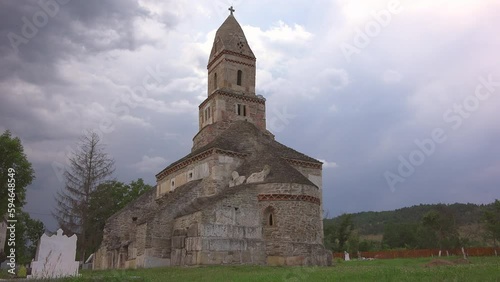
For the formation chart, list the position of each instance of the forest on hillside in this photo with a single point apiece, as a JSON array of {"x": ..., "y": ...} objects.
[{"x": 420, "y": 226}]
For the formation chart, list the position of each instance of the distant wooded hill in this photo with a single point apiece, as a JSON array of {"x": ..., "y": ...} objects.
[{"x": 371, "y": 223}]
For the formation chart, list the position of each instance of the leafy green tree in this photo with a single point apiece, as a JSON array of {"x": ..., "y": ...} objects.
[
  {"x": 344, "y": 230},
  {"x": 12, "y": 156},
  {"x": 106, "y": 200},
  {"x": 34, "y": 230},
  {"x": 442, "y": 222},
  {"x": 426, "y": 238},
  {"x": 492, "y": 222},
  {"x": 369, "y": 246},
  {"x": 329, "y": 235},
  {"x": 400, "y": 235},
  {"x": 352, "y": 244},
  {"x": 338, "y": 234},
  {"x": 28, "y": 232}
]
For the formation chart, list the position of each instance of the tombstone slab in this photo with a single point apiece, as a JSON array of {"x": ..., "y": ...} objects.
[
  {"x": 346, "y": 256},
  {"x": 55, "y": 257}
]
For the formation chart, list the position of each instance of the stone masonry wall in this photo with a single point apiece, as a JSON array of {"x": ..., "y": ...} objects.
[
  {"x": 226, "y": 69},
  {"x": 294, "y": 221},
  {"x": 296, "y": 234},
  {"x": 170, "y": 225},
  {"x": 194, "y": 171},
  {"x": 121, "y": 228},
  {"x": 315, "y": 176},
  {"x": 231, "y": 231},
  {"x": 223, "y": 113},
  {"x": 289, "y": 188}
]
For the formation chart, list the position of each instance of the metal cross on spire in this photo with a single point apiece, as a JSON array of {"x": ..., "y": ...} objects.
[{"x": 231, "y": 10}]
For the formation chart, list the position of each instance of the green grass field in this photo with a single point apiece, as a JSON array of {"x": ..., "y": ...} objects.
[{"x": 480, "y": 269}]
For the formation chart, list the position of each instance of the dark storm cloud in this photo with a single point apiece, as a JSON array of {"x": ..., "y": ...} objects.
[{"x": 34, "y": 36}]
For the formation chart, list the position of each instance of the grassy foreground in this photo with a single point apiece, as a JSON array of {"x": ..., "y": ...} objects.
[{"x": 480, "y": 269}]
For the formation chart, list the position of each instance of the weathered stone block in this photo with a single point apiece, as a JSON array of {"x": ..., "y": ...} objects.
[
  {"x": 296, "y": 260},
  {"x": 178, "y": 242},
  {"x": 236, "y": 179},
  {"x": 275, "y": 260},
  {"x": 180, "y": 232},
  {"x": 259, "y": 176},
  {"x": 155, "y": 262},
  {"x": 130, "y": 264},
  {"x": 194, "y": 244},
  {"x": 209, "y": 258},
  {"x": 192, "y": 230},
  {"x": 178, "y": 257}
]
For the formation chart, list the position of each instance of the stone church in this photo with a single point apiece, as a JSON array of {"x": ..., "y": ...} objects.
[{"x": 239, "y": 197}]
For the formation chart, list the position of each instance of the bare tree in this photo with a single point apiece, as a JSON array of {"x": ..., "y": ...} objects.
[{"x": 89, "y": 166}]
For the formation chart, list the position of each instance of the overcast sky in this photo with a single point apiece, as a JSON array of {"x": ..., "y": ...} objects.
[{"x": 399, "y": 99}]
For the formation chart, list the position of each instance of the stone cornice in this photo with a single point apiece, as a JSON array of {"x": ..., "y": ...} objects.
[
  {"x": 303, "y": 163},
  {"x": 289, "y": 197},
  {"x": 233, "y": 95},
  {"x": 228, "y": 52},
  {"x": 203, "y": 155},
  {"x": 229, "y": 60}
]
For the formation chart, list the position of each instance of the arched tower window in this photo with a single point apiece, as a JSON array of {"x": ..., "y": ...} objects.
[
  {"x": 215, "y": 81},
  {"x": 269, "y": 217},
  {"x": 238, "y": 80}
]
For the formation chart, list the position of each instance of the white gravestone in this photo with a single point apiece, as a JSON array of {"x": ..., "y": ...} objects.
[
  {"x": 346, "y": 256},
  {"x": 55, "y": 257}
]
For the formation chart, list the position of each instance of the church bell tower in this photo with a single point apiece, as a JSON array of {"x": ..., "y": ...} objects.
[
  {"x": 231, "y": 85},
  {"x": 231, "y": 65}
]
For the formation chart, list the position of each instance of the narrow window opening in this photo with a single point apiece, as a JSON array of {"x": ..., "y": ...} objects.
[
  {"x": 240, "y": 74},
  {"x": 206, "y": 114},
  {"x": 241, "y": 110},
  {"x": 173, "y": 183},
  {"x": 190, "y": 175},
  {"x": 268, "y": 218},
  {"x": 215, "y": 81}
]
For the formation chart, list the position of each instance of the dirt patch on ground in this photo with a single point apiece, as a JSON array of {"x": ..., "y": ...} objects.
[
  {"x": 442, "y": 262},
  {"x": 461, "y": 261}
]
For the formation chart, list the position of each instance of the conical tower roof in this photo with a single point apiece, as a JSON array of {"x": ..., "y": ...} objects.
[{"x": 230, "y": 37}]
